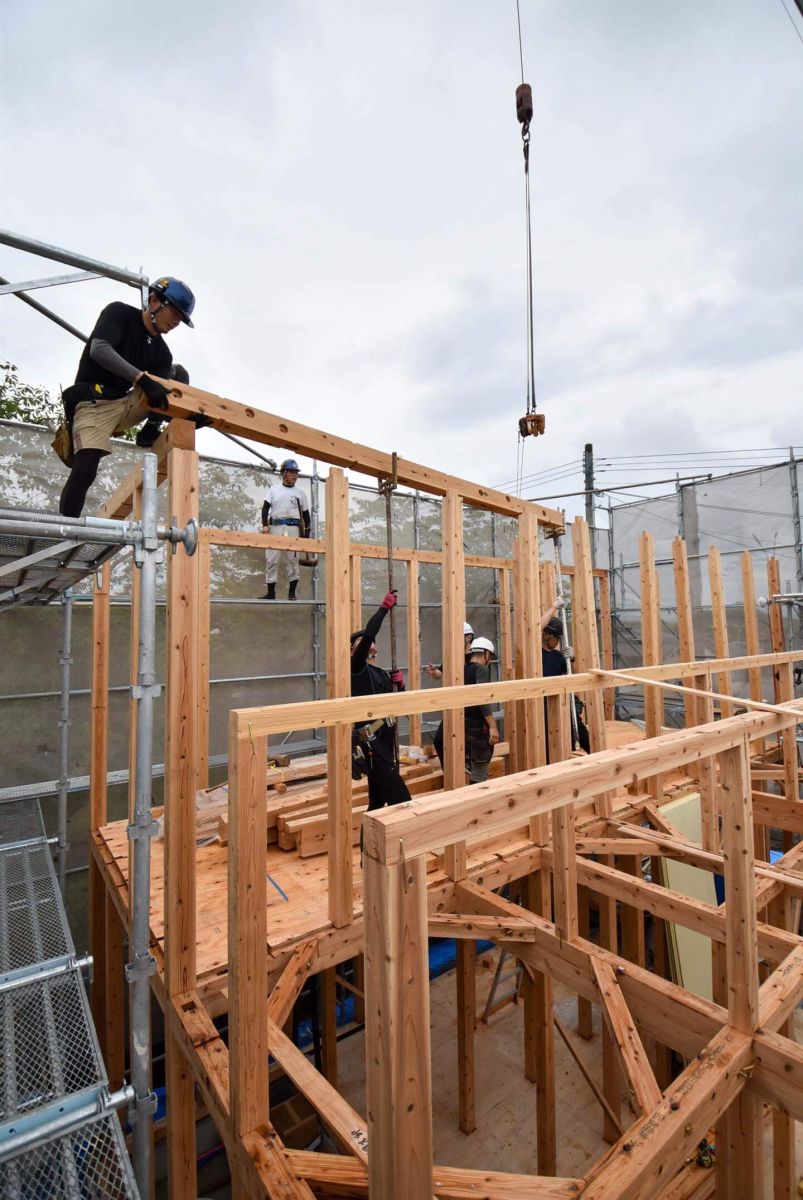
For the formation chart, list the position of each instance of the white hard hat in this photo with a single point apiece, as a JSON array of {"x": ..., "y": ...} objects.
[
  {"x": 467, "y": 629},
  {"x": 482, "y": 643}
]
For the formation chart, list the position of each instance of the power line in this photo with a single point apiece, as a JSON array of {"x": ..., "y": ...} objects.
[{"x": 791, "y": 18}]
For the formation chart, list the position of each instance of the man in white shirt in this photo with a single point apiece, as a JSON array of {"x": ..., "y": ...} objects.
[{"x": 285, "y": 513}]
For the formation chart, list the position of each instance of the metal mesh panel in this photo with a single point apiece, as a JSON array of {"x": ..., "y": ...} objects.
[
  {"x": 33, "y": 928},
  {"x": 85, "y": 1165},
  {"x": 48, "y": 1043},
  {"x": 41, "y": 581},
  {"x": 20, "y": 820}
]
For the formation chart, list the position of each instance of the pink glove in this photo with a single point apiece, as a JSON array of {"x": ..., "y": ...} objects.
[
  {"x": 397, "y": 679},
  {"x": 390, "y": 600}
]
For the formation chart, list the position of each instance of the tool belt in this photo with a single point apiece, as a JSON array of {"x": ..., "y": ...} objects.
[
  {"x": 362, "y": 737},
  {"x": 366, "y": 733},
  {"x": 285, "y": 521}
]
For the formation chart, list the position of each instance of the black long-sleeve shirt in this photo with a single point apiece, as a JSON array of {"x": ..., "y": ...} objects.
[{"x": 366, "y": 679}]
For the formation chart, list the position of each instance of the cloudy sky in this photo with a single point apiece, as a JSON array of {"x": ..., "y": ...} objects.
[{"x": 341, "y": 185}]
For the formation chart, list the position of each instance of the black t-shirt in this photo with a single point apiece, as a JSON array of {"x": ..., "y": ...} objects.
[
  {"x": 475, "y": 714},
  {"x": 553, "y": 662},
  {"x": 122, "y": 327}
]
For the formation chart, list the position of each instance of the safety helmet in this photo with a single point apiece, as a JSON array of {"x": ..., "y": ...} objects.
[
  {"x": 179, "y": 373},
  {"x": 289, "y": 464},
  {"x": 467, "y": 629},
  {"x": 481, "y": 643},
  {"x": 554, "y": 627},
  {"x": 175, "y": 292}
]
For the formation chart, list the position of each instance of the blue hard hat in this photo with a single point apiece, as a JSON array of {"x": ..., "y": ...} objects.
[
  {"x": 175, "y": 292},
  {"x": 289, "y": 464}
]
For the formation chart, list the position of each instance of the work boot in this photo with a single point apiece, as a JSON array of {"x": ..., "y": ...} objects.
[
  {"x": 270, "y": 594},
  {"x": 291, "y": 591}
]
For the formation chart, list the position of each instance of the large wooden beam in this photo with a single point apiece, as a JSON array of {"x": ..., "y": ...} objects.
[
  {"x": 271, "y": 430},
  {"x": 398, "y": 1056},
  {"x": 338, "y": 684}
]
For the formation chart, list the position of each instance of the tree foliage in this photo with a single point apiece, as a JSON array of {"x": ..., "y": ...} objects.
[{"x": 25, "y": 401}]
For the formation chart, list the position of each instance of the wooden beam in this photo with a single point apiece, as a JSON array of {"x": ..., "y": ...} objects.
[
  {"x": 453, "y": 591},
  {"x": 338, "y": 684},
  {"x": 539, "y": 1034},
  {"x": 466, "y": 979},
  {"x": 606, "y": 635},
  {"x": 564, "y": 875},
  {"x": 204, "y": 553},
  {"x": 293, "y": 978},
  {"x": 470, "y": 927},
  {"x": 680, "y": 563},
  {"x": 586, "y": 642},
  {"x": 247, "y": 932},
  {"x": 642, "y": 1083},
  {"x": 398, "y": 1053},
  {"x": 527, "y": 599},
  {"x": 271, "y": 430},
  {"x": 326, "y": 982},
  {"x": 508, "y": 670}
]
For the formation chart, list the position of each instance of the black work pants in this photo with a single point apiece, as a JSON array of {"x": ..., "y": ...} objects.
[{"x": 385, "y": 784}]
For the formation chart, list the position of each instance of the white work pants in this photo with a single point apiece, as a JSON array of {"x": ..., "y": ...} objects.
[{"x": 290, "y": 558}]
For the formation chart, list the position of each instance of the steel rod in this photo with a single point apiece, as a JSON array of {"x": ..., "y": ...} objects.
[{"x": 64, "y": 738}]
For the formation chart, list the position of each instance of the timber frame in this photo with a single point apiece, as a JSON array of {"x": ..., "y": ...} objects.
[{"x": 573, "y": 831}]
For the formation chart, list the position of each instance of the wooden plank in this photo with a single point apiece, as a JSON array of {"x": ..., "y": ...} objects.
[
  {"x": 398, "y": 1055},
  {"x": 181, "y": 745},
  {"x": 473, "y": 927},
  {"x": 466, "y": 981},
  {"x": 247, "y": 932},
  {"x": 204, "y": 659},
  {"x": 453, "y": 592},
  {"x": 413, "y": 648},
  {"x": 680, "y": 564},
  {"x": 659, "y": 1143},
  {"x": 293, "y": 978},
  {"x": 272, "y": 430},
  {"x": 338, "y": 683},
  {"x": 643, "y": 1086},
  {"x": 719, "y": 618},
  {"x": 741, "y": 921}
]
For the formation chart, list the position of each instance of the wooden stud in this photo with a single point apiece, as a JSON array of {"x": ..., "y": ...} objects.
[
  {"x": 247, "y": 929},
  {"x": 327, "y": 1016},
  {"x": 707, "y": 768},
  {"x": 508, "y": 669},
  {"x": 719, "y": 618},
  {"x": 565, "y": 866},
  {"x": 413, "y": 648},
  {"x": 338, "y": 684},
  {"x": 680, "y": 563},
  {"x": 204, "y": 553},
  {"x": 398, "y": 1055},
  {"x": 606, "y": 636},
  {"x": 355, "y": 590},
  {"x": 737, "y": 833},
  {"x": 539, "y": 1035},
  {"x": 651, "y": 644},
  {"x": 586, "y": 642},
  {"x": 528, "y": 646},
  {"x": 466, "y": 1022},
  {"x": 453, "y": 585}
]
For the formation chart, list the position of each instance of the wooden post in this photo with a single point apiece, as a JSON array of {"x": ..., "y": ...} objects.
[
  {"x": 466, "y": 1022},
  {"x": 453, "y": 584},
  {"x": 204, "y": 553},
  {"x": 737, "y": 836},
  {"x": 247, "y": 933},
  {"x": 752, "y": 645},
  {"x": 651, "y": 644},
  {"x": 782, "y": 681},
  {"x": 181, "y": 762},
  {"x": 707, "y": 770},
  {"x": 413, "y": 648},
  {"x": 398, "y": 1056},
  {"x": 686, "y": 650},
  {"x": 327, "y": 995},
  {"x": 539, "y": 1035},
  {"x": 98, "y": 758},
  {"x": 355, "y": 591},
  {"x": 785, "y": 1177},
  {"x": 719, "y": 617},
  {"x": 338, "y": 683},
  {"x": 606, "y": 635},
  {"x": 564, "y": 874},
  {"x": 528, "y": 643},
  {"x": 508, "y": 668}
]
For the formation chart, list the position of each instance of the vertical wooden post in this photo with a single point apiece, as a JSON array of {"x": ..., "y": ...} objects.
[
  {"x": 327, "y": 995},
  {"x": 398, "y": 1056},
  {"x": 606, "y": 635},
  {"x": 453, "y": 583},
  {"x": 181, "y": 759},
  {"x": 586, "y": 642},
  {"x": 508, "y": 668},
  {"x": 740, "y": 908},
  {"x": 204, "y": 553},
  {"x": 680, "y": 563},
  {"x": 782, "y": 680},
  {"x": 466, "y": 1022},
  {"x": 539, "y": 1035},
  {"x": 785, "y": 1177},
  {"x": 651, "y": 635},
  {"x": 413, "y": 647},
  {"x": 752, "y": 646},
  {"x": 707, "y": 770},
  {"x": 98, "y": 758},
  {"x": 719, "y": 618},
  {"x": 564, "y": 874},
  {"x": 355, "y": 593},
  {"x": 247, "y": 917},
  {"x": 528, "y": 643},
  {"x": 338, "y": 683}
]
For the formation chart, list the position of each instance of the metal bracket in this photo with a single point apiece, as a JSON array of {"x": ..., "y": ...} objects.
[
  {"x": 145, "y": 688},
  {"x": 188, "y": 536},
  {"x": 147, "y": 828},
  {"x": 142, "y": 1106},
  {"x": 143, "y": 966}
]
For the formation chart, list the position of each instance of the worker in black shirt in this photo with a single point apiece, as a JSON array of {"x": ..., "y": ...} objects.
[
  {"x": 482, "y": 733},
  {"x": 113, "y": 388},
  {"x": 374, "y": 752},
  {"x": 554, "y": 663}
]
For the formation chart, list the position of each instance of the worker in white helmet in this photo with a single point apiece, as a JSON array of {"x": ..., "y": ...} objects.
[
  {"x": 482, "y": 733},
  {"x": 436, "y": 672}
]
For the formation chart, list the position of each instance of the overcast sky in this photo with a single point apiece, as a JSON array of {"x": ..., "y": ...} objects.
[{"x": 340, "y": 182}]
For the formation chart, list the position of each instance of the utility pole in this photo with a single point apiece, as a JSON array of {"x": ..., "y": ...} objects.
[{"x": 588, "y": 484}]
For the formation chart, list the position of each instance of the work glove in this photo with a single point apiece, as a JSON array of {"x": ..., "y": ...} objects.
[
  {"x": 200, "y": 421},
  {"x": 397, "y": 679},
  {"x": 560, "y": 602},
  {"x": 389, "y": 600},
  {"x": 155, "y": 392},
  {"x": 149, "y": 432}
]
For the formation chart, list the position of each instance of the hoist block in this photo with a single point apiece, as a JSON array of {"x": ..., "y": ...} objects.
[{"x": 532, "y": 424}]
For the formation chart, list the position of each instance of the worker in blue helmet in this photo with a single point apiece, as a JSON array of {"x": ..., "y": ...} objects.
[
  {"x": 285, "y": 513},
  {"x": 121, "y": 380}
]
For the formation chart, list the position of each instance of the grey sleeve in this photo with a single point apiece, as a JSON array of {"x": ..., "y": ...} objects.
[{"x": 105, "y": 355}]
